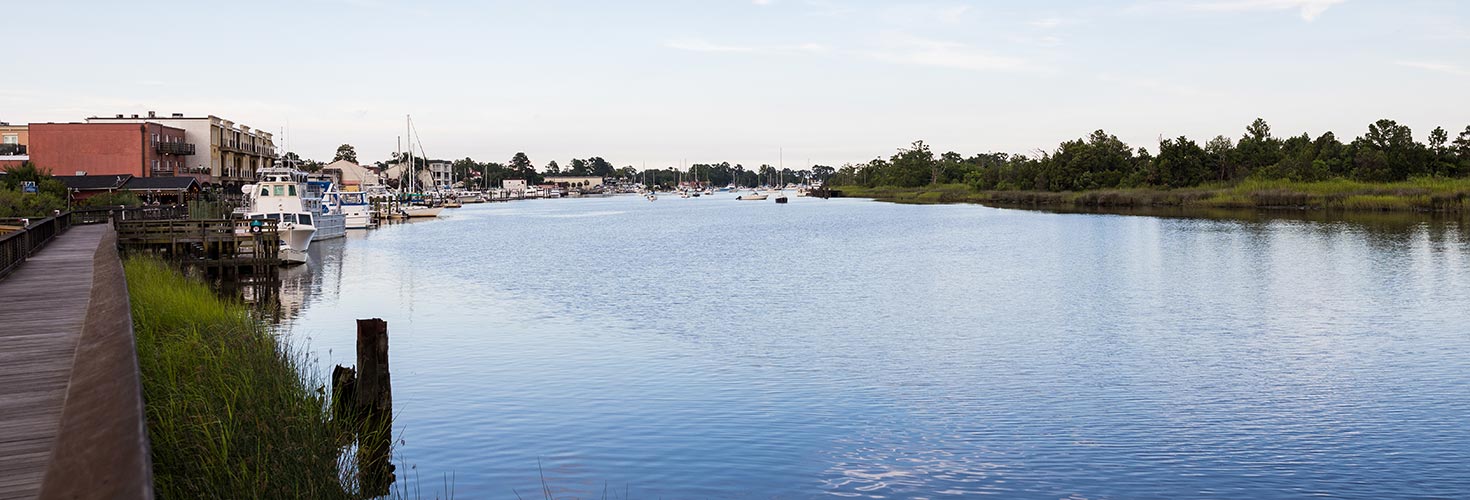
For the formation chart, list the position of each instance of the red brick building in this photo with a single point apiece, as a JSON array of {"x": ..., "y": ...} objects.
[{"x": 137, "y": 149}]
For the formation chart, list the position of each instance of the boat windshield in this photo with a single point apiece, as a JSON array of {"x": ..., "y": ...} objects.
[
  {"x": 273, "y": 216},
  {"x": 306, "y": 219}
]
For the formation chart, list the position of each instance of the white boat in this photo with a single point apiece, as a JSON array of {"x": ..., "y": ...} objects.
[
  {"x": 651, "y": 196},
  {"x": 753, "y": 196},
  {"x": 278, "y": 196},
  {"x": 357, "y": 212},
  {"x": 330, "y": 221},
  {"x": 421, "y": 211}
]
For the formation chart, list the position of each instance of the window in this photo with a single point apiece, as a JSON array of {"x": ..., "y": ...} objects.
[
  {"x": 155, "y": 164},
  {"x": 306, "y": 219},
  {"x": 293, "y": 189},
  {"x": 280, "y": 191},
  {"x": 10, "y": 139},
  {"x": 264, "y": 191},
  {"x": 273, "y": 216}
]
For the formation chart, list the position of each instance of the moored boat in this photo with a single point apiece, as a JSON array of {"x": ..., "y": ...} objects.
[{"x": 277, "y": 196}]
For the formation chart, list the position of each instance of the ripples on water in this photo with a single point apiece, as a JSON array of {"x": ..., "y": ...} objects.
[{"x": 709, "y": 348}]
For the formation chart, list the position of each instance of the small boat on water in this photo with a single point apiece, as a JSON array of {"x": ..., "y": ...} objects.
[
  {"x": 781, "y": 198},
  {"x": 753, "y": 196},
  {"x": 417, "y": 211}
]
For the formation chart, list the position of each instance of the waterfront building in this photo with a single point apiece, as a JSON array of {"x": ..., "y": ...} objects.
[
  {"x": 13, "y": 138},
  {"x": 398, "y": 172},
  {"x": 81, "y": 187},
  {"x": 229, "y": 153},
  {"x": 576, "y": 181},
  {"x": 514, "y": 187},
  {"x": 135, "y": 149},
  {"x": 442, "y": 174},
  {"x": 351, "y": 176}
]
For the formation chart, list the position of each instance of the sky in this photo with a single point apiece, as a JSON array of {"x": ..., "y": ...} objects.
[{"x": 791, "y": 82}]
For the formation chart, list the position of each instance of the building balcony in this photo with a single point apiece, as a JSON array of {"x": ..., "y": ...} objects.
[
  {"x": 12, "y": 149},
  {"x": 174, "y": 148}
]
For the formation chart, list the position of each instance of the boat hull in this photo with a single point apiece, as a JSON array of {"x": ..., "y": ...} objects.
[
  {"x": 330, "y": 226},
  {"x": 292, "y": 256},
  {"x": 422, "y": 211},
  {"x": 752, "y": 197}
]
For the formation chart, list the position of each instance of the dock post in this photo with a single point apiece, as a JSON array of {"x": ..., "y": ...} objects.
[{"x": 374, "y": 394}]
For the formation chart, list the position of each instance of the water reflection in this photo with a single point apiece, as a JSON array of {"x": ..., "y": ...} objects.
[{"x": 710, "y": 348}]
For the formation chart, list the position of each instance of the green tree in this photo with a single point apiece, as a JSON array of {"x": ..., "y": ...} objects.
[
  {"x": 1388, "y": 153},
  {"x": 552, "y": 168},
  {"x": 911, "y": 167},
  {"x": 346, "y": 152},
  {"x": 50, "y": 195},
  {"x": 1257, "y": 148}
]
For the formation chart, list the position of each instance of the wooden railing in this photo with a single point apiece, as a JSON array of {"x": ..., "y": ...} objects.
[
  {"x": 21, "y": 238},
  {"x": 210, "y": 242}
]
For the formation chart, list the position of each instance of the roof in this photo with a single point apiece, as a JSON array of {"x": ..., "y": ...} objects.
[
  {"x": 162, "y": 184},
  {"x": 93, "y": 182}
]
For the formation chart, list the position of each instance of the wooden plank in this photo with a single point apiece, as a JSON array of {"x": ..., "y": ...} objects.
[{"x": 42, "y": 307}]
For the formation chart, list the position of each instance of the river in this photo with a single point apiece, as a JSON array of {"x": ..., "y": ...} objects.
[{"x": 712, "y": 348}]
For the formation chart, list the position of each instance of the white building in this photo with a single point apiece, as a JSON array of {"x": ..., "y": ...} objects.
[
  {"x": 443, "y": 174},
  {"x": 514, "y": 186}
]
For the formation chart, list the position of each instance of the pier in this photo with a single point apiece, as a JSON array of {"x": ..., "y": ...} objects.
[{"x": 72, "y": 423}]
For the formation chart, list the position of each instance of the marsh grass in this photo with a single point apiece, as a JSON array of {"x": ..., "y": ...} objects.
[
  {"x": 231, "y": 413},
  {"x": 1430, "y": 194}
]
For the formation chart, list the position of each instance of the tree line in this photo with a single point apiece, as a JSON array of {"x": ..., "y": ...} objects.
[{"x": 1386, "y": 152}]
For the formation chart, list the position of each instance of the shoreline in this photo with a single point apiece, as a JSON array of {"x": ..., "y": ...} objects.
[{"x": 1429, "y": 196}]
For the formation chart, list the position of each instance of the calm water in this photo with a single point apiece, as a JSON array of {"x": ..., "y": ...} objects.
[{"x": 709, "y": 348}]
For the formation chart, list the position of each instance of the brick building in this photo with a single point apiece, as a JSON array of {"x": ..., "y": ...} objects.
[
  {"x": 228, "y": 153},
  {"x": 136, "y": 149}
]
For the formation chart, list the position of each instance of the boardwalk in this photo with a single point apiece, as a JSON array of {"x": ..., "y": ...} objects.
[{"x": 43, "y": 307}]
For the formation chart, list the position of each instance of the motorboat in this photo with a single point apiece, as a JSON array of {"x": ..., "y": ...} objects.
[
  {"x": 278, "y": 196},
  {"x": 357, "y": 211},
  {"x": 417, "y": 211},
  {"x": 330, "y": 221},
  {"x": 753, "y": 196}
]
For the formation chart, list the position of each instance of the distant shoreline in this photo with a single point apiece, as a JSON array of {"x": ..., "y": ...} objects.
[{"x": 1419, "y": 195}]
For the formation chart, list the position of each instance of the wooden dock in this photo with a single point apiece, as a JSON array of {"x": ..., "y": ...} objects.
[
  {"x": 71, "y": 418},
  {"x": 219, "y": 246}
]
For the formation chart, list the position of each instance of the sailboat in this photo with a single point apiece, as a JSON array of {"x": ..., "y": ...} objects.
[
  {"x": 781, "y": 167},
  {"x": 412, "y": 210}
]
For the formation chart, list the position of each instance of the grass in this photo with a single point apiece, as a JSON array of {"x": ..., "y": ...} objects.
[
  {"x": 1422, "y": 195},
  {"x": 230, "y": 413}
]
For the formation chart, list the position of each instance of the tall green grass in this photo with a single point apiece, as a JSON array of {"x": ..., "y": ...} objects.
[{"x": 230, "y": 413}]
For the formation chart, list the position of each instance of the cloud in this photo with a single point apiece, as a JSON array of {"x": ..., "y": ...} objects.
[
  {"x": 762, "y": 2},
  {"x": 704, "y": 46},
  {"x": 698, "y": 45},
  {"x": 1155, "y": 85},
  {"x": 1309, "y": 9},
  {"x": 1049, "y": 23},
  {"x": 1437, "y": 67},
  {"x": 922, "y": 14},
  {"x": 926, "y": 52}
]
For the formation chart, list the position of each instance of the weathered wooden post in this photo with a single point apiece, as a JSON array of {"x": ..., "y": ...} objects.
[{"x": 374, "y": 401}]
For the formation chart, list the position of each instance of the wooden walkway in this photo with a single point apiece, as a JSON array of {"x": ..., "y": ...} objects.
[{"x": 43, "y": 306}]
